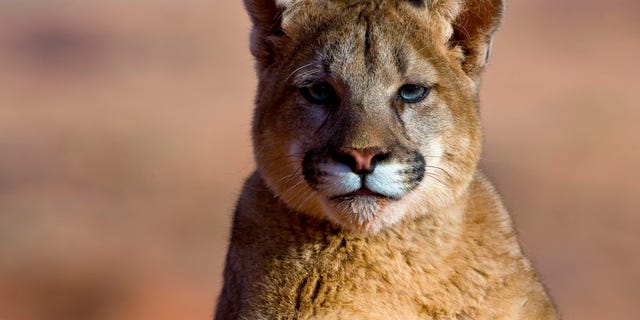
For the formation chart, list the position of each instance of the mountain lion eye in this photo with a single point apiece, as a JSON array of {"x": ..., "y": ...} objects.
[
  {"x": 321, "y": 93},
  {"x": 413, "y": 93}
]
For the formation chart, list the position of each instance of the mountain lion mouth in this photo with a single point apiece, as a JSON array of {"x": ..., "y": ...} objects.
[
  {"x": 362, "y": 192},
  {"x": 338, "y": 180}
]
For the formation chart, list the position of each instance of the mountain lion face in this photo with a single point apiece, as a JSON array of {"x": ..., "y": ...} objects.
[{"x": 366, "y": 110}]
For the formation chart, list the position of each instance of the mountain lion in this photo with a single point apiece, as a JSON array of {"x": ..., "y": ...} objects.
[{"x": 367, "y": 202}]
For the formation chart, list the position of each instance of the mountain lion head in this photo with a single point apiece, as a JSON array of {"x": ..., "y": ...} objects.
[{"x": 367, "y": 110}]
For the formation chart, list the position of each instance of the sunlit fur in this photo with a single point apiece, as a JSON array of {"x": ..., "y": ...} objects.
[{"x": 432, "y": 240}]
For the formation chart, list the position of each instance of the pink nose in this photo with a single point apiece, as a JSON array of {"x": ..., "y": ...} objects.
[{"x": 361, "y": 161}]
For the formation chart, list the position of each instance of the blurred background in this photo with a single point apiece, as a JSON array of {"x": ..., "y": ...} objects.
[{"x": 124, "y": 139}]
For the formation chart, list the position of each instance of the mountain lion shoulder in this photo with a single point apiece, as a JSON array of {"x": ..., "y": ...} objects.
[{"x": 367, "y": 202}]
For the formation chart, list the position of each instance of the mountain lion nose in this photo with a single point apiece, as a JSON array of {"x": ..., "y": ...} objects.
[{"x": 361, "y": 161}]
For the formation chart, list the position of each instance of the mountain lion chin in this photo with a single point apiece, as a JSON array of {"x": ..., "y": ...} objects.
[{"x": 363, "y": 213}]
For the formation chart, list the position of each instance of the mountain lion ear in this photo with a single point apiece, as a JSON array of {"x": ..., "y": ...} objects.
[
  {"x": 266, "y": 16},
  {"x": 473, "y": 29}
]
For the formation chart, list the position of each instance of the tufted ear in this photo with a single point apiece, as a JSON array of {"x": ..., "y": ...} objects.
[
  {"x": 473, "y": 29},
  {"x": 266, "y": 16}
]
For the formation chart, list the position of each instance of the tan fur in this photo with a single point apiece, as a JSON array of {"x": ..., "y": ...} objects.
[{"x": 435, "y": 242}]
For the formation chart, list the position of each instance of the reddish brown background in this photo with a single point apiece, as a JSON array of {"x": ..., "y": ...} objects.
[{"x": 124, "y": 140}]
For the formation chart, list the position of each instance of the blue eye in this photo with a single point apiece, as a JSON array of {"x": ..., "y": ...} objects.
[
  {"x": 320, "y": 93},
  {"x": 412, "y": 93}
]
